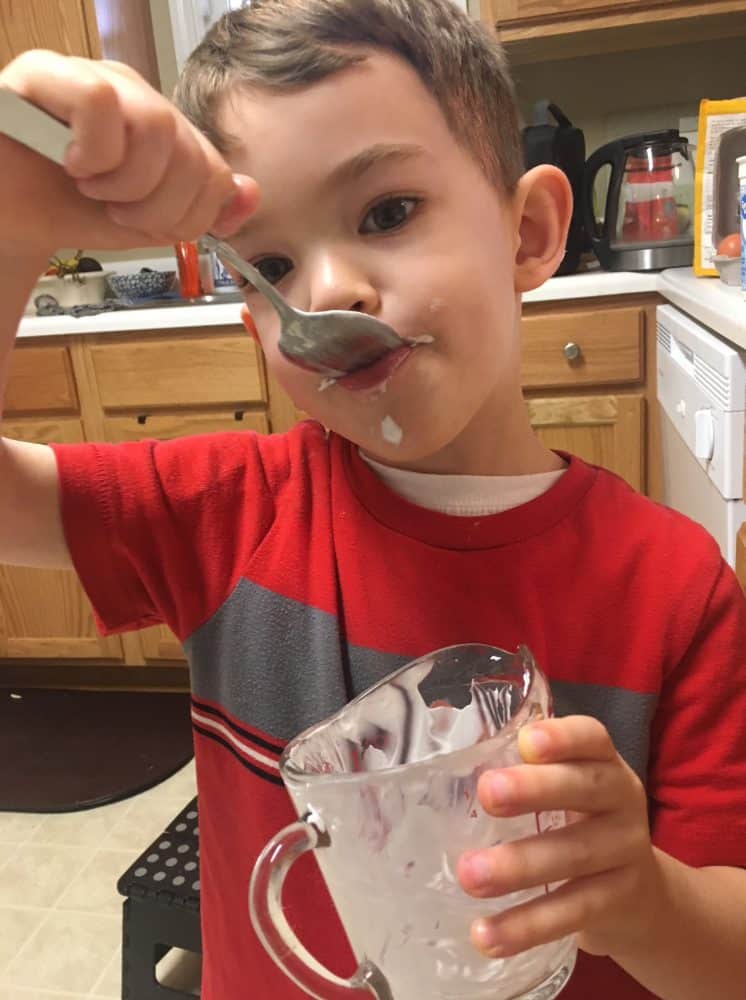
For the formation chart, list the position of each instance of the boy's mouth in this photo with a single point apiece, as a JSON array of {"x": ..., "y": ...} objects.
[{"x": 377, "y": 373}]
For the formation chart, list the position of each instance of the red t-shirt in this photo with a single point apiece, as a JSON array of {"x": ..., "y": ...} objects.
[{"x": 296, "y": 579}]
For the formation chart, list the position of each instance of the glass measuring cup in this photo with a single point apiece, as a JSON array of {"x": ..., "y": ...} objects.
[{"x": 387, "y": 794}]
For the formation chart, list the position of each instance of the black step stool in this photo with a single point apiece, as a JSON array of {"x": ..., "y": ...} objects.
[{"x": 161, "y": 909}]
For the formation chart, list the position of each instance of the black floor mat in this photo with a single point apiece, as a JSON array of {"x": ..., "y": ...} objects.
[{"x": 61, "y": 751}]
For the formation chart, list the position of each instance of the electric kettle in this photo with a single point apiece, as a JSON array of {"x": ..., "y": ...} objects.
[{"x": 646, "y": 220}]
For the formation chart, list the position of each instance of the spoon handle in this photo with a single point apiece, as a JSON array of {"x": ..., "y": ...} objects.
[
  {"x": 37, "y": 129},
  {"x": 248, "y": 271}
]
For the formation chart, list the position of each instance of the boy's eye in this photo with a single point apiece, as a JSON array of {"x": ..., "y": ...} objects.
[
  {"x": 389, "y": 214},
  {"x": 273, "y": 269}
]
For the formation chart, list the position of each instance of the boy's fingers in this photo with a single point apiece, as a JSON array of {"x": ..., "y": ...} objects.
[
  {"x": 595, "y": 845},
  {"x": 185, "y": 177},
  {"x": 78, "y": 93},
  {"x": 576, "y": 737},
  {"x": 550, "y": 917},
  {"x": 239, "y": 207},
  {"x": 586, "y": 787},
  {"x": 151, "y": 138},
  {"x": 220, "y": 195}
]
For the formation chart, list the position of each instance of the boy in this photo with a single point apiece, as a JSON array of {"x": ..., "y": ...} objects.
[{"x": 299, "y": 569}]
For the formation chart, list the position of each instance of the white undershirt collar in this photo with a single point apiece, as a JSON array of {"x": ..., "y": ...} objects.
[{"x": 465, "y": 496}]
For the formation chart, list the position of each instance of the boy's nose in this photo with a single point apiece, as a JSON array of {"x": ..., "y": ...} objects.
[{"x": 339, "y": 284}]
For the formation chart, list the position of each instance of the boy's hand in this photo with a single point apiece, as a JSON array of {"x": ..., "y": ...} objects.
[
  {"x": 136, "y": 174},
  {"x": 605, "y": 853}
]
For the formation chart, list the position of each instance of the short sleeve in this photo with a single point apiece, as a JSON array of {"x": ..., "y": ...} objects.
[
  {"x": 697, "y": 774},
  {"x": 157, "y": 531}
]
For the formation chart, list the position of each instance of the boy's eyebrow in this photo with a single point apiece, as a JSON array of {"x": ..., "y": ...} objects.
[{"x": 356, "y": 167}]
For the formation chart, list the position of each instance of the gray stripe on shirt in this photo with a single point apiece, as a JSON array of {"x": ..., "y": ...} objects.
[{"x": 280, "y": 666}]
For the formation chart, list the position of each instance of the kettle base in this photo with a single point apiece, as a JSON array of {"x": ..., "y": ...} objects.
[{"x": 648, "y": 258}]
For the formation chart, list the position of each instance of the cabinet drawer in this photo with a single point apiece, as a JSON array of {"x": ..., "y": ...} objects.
[
  {"x": 164, "y": 426},
  {"x": 594, "y": 347},
  {"x": 159, "y": 372},
  {"x": 41, "y": 380},
  {"x": 39, "y": 430}
]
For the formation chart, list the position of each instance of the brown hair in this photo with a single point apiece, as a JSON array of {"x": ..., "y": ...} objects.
[{"x": 287, "y": 44}]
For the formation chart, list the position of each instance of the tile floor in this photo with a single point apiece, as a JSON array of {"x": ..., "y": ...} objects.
[{"x": 60, "y": 913}]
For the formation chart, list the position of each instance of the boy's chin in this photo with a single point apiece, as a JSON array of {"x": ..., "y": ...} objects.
[{"x": 396, "y": 443}]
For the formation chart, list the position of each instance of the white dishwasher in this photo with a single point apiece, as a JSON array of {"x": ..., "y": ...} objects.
[{"x": 702, "y": 394}]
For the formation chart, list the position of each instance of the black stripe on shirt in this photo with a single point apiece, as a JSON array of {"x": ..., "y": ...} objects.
[
  {"x": 251, "y": 737},
  {"x": 274, "y": 779}
]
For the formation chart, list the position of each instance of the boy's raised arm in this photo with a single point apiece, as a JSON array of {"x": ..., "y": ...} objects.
[
  {"x": 30, "y": 523},
  {"x": 136, "y": 174}
]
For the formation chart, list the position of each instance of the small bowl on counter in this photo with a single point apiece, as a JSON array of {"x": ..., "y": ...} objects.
[
  {"x": 729, "y": 269},
  {"x": 145, "y": 284}
]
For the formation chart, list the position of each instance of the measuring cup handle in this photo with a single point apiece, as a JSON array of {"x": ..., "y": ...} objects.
[{"x": 276, "y": 934}]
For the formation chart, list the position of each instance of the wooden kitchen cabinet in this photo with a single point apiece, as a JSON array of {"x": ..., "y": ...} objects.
[
  {"x": 588, "y": 373},
  {"x": 582, "y": 347},
  {"x": 160, "y": 371},
  {"x": 536, "y": 30},
  {"x": 604, "y": 430},
  {"x": 44, "y": 614},
  {"x": 108, "y": 29},
  {"x": 509, "y": 11}
]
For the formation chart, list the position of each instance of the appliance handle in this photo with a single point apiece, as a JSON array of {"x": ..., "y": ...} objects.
[{"x": 615, "y": 155}]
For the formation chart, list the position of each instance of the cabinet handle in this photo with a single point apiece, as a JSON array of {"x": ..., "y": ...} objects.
[
  {"x": 572, "y": 351},
  {"x": 142, "y": 419}
]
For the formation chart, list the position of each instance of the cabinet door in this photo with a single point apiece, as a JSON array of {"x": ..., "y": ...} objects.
[
  {"x": 603, "y": 430},
  {"x": 44, "y": 614},
  {"x": 43, "y": 24},
  {"x": 506, "y": 11},
  {"x": 159, "y": 642}
]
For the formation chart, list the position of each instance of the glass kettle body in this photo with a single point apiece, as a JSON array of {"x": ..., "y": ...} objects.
[{"x": 645, "y": 221}]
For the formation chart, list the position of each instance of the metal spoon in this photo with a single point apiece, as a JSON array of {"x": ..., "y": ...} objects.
[{"x": 333, "y": 343}]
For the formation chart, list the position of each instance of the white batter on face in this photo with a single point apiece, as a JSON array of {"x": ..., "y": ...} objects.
[{"x": 391, "y": 431}]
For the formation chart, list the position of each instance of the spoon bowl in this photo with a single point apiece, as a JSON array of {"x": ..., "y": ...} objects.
[{"x": 333, "y": 343}]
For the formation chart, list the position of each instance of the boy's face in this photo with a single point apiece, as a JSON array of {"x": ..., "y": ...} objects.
[{"x": 369, "y": 203}]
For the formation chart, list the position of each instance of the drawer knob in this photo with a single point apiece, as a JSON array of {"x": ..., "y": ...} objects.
[{"x": 572, "y": 351}]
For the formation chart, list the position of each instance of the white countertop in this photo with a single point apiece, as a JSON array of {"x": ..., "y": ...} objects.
[
  {"x": 575, "y": 286},
  {"x": 718, "y": 306},
  {"x": 165, "y": 318},
  {"x": 593, "y": 284}
]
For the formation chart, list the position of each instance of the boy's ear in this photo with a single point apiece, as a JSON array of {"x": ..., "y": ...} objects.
[
  {"x": 248, "y": 322},
  {"x": 543, "y": 207}
]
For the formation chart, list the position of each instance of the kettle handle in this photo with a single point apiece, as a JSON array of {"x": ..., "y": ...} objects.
[
  {"x": 277, "y": 936},
  {"x": 614, "y": 154}
]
